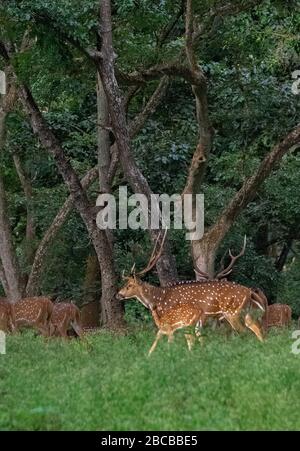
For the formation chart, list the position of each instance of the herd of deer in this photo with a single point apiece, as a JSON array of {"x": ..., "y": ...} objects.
[
  {"x": 190, "y": 303},
  {"x": 42, "y": 314},
  {"x": 173, "y": 307}
]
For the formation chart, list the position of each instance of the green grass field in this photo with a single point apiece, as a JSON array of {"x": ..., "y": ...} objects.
[{"x": 234, "y": 383}]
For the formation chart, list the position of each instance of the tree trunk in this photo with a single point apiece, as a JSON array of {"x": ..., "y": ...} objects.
[
  {"x": 30, "y": 235},
  {"x": 280, "y": 262},
  {"x": 3, "y": 281},
  {"x": 166, "y": 266},
  {"x": 11, "y": 277},
  {"x": 113, "y": 308},
  {"x": 213, "y": 237},
  {"x": 104, "y": 183},
  {"x": 203, "y": 253},
  {"x": 7, "y": 253},
  {"x": 91, "y": 280},
  {"x": 103, "y": 137}
]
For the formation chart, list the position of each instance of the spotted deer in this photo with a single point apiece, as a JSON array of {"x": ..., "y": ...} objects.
[
  {"x": 35, "y": 313},
  {"x": 66, "y": 317},
  {"x": 215, "y": 298},
  {"x": 278, "y": 315},
  {"x": 178, "y": 317},
  {"x": 7, "y": 316}
]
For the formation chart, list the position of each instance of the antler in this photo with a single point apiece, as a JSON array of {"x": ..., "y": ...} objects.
[
  {"x": 156, "y": 253},
  {"x": 228, "y": 270}
]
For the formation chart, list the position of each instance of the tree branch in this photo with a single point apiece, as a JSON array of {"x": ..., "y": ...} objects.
[
  {"x": 199, "y": 161},
  {"x": 139, "y": 121},
  {"x": 247, "y": 192}
]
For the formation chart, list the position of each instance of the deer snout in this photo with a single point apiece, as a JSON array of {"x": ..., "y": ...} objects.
[{"x": 119, "y": 297}]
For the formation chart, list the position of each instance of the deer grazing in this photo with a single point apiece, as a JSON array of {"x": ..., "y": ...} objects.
[
  {"x": 7, "y": 316},
  {"x": 65, "y": 317},
  {"x": 177, "y": 306},
  {"x": 34, "y": 313}
]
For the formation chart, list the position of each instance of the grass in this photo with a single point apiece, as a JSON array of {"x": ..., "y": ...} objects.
[{"x": 234, "y": 383}]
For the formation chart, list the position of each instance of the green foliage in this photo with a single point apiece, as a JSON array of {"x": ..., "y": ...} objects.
[{"x": 236, "y": 383}]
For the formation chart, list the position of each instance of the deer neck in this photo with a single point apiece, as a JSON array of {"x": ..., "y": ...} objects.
[{"x": 150, "y": 295}]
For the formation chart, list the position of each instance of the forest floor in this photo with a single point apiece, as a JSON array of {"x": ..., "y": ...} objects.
[{"x": 229, "y": 383}]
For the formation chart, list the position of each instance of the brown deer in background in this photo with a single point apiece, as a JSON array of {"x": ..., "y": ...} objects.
[
  {"x": 216, "y": 298},
  {"x": 7, "y": 316},
  {"x": 278, "y": 315},
  {"x": 66, "y": 317},
  {"x": 34, "y": 313}
]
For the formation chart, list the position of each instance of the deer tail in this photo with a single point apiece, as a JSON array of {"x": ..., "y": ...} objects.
[{"x": 76, "y": 324}]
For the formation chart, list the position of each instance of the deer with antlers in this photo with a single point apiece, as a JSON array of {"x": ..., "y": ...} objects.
[
  {"x": 34, "y": 313},
  {"x": 7, "y": 316},
  {"x": 66, "y": 317},
  {"x": 186, "y": 303},
  {"x": 262, "y": 303}
]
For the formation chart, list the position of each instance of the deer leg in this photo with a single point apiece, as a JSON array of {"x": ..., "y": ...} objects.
[
  {"x": 42, "y": 324},
  {"x": 12, "y": 326},
  {"x": 190, "y": 339},
  {"x": 253, "y": 325},
  {"x": 62, "y": 331},
  {"x": 158, "y": 337},
  {"x": 198, "y": 330},
  {"x": 43, "y": 330},
  {"x": 78, "y": 329},
  {"x": 170, "y": 337},
  {"x": 235, "y": 322}
]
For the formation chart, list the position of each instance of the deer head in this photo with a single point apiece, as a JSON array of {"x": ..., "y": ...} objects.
[{"x": 134, "y": 287}]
